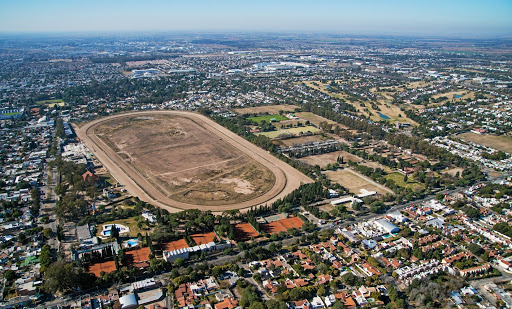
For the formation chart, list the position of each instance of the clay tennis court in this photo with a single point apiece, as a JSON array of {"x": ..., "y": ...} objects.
[
  {"x": 182, "y": 160},
  {"x": 97, "y": 268},
  {"x": 137, "y": 256},
  {"x": 203, "y": 239},
  {"x": 282, "y": 225},
  {"x": 244, "y": 231},
  {"x": 174, "y": 245}
]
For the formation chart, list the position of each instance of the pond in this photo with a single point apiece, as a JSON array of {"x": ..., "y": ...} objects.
[{"x": 384, "y": 116}]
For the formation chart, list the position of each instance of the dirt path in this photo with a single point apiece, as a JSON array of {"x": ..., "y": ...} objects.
[{"x": 287, "y": 178}]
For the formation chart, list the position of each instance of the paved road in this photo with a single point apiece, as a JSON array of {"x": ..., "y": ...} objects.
[{"x": 48, "y": 209}]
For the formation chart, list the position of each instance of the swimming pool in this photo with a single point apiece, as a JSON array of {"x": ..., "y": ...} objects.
[
  {"x": 132, "y": 242},
  {"x": 384, "y": 116}
]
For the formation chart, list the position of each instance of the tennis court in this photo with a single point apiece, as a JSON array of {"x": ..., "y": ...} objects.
[
  {"x": 97, "y": 268},
  {"x": 282, "y": 225},
  {"x": 244, "y": 231},
  {"x": 203, "y": 239},
  {"x": 274, "y": 218},
  {"x": 174, "y": 245}
]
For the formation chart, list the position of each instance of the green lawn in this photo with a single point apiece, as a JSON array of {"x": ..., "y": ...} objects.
[
  {"x": 399, "y": 180},
  {"x": 131, "y": 223},
  {"x": 268, "y": 118},
  {"x": 52, "y": 103},
  {"x": 295, "y": 131}
]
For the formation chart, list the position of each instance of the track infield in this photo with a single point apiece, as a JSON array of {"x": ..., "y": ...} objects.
[{"x": 183, "y": 160}]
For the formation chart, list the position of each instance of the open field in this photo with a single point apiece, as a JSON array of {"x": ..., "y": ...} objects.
[
  {"x": 282, "y": 225},
  {"x": 326, "y": 207},
  {"x": 354, "y": 181},
  {"x": 202, "y": 239},
  {"x": 271, "y": 109},
  {"x": 295, "y": 131},
  {"x": 268, "y": 118},
  {"x": 174, "y": 245},
  {"x": 244, "y": 231},
  {"x": 503, "y": 143},
  {"x": 399, "y": 180},
  {"x": 52, "y": 103},
  {"x": 315, "y": 119},
  {"x": 145, "y": 151},
  {"x": 329, "y": 158},
  {"x": 453, "y": 171},
  {"x": 301, "y": 140}
]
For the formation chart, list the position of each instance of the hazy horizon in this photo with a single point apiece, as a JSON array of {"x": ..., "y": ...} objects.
[{"x": 396, "y": 18}]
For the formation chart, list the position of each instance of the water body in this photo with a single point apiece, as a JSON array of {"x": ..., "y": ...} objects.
[
  {"x": 458, "y": 96},
  {"x": 381, "y": 115}
]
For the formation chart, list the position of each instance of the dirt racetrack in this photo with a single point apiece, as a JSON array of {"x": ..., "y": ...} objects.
[{"x": 132, "y": 172}]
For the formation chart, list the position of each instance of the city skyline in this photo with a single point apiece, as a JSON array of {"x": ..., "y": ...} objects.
[{"x": 435, "y": 18}]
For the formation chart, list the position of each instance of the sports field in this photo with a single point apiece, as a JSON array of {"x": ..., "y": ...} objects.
[
  {"x": 203, "y": 239},
  {"x": 183, "y": 160},
  {"x": 268, "y": 118},
  {"x": 244, "y": 231},
  {"x": 282, "y": 225},
  {"x": 174, "y": 245},
  {"x": 137, "y": 256},
  {"x": 97, "y": 268}
]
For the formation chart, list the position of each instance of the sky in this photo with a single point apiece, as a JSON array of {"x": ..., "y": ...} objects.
[{"x": 391, "y": 17}]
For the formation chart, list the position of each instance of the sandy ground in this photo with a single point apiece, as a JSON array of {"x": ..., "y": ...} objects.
[{"x": 287, "y": 178}]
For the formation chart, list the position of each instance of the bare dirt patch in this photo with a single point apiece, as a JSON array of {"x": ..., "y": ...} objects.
[
  {"x": 184, "y": 161},
  {"x": 329, "y": 158}
]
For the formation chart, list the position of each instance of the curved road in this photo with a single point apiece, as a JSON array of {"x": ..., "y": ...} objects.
[{"x": 287, "y": 178}]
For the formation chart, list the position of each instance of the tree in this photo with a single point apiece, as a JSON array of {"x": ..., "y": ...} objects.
[
  {"x": 475, "y": 249},
  {"x": 61, "y": 277},
  {"x": 249, "y": 296},
  {"x": 114, "y": 232},
  {"x": 45, "y": 258},
  {"x": 47, "y": 232},
  {"x": 10, "y": 275},
  {"x": 338, "y": 305},
  {"x": 179, "y": 262},
  {"x": 257, "y": 305}
]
